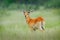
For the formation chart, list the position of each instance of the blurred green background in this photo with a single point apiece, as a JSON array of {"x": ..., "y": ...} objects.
[{"x": 13, "y": 25}]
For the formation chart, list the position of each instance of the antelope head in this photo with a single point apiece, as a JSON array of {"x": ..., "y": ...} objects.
[{"x": 26, "y": 13}]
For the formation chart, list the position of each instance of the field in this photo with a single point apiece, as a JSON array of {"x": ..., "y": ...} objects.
[{"x": 13, "y": 25}]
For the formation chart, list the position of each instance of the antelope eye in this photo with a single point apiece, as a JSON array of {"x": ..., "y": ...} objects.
[{"x": 28, "y": 12}]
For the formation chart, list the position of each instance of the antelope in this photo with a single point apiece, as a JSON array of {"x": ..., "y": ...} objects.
[{"x": 36, "y": 23}]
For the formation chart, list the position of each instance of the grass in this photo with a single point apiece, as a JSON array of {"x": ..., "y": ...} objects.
[{"x": 14, "y": 27}]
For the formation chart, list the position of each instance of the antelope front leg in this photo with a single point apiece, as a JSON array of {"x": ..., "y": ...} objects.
[{"x": 32, "y": 28}]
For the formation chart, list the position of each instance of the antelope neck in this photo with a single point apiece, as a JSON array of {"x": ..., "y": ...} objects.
[{"x": 28, "y": 18}]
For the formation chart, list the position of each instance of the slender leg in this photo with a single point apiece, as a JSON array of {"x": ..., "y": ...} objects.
[
  {"x": 33, "y": 28},
  {"x": 41, "y": 26}
]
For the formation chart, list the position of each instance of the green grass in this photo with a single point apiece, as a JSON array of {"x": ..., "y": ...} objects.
[{"x": 13, "y": 26}]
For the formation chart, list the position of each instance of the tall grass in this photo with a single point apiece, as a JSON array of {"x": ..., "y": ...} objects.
[{"x": 14, "y": 26}]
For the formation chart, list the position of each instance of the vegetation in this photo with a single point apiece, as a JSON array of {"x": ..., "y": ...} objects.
[
  {"x": 13, "y": 25},
  {"x": 29, "y": 4}
]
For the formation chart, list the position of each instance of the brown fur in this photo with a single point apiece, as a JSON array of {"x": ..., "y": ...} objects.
[{"x": 32, "y": 22}]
